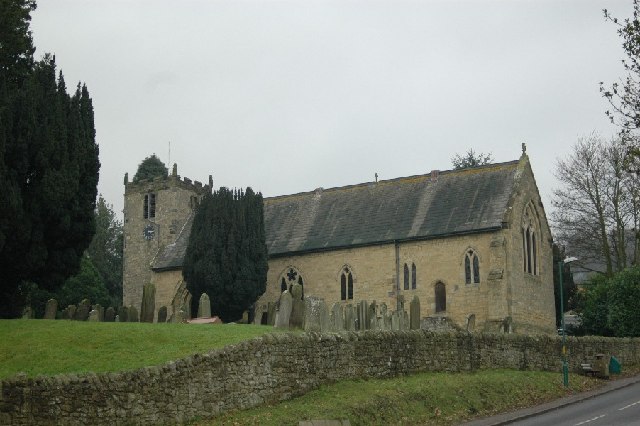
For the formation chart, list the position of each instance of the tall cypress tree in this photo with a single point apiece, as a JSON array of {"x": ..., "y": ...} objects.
[
  {"x": 227, "y": 255},
  {"x": 48, "y": 168}
]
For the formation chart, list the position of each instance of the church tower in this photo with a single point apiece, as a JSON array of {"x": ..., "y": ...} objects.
[{"x": 155, "y": 211}]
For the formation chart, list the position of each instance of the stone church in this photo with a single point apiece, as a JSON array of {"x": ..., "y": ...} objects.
[{"x": 473, "y": 244}]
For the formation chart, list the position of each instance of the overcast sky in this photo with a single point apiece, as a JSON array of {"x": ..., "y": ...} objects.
[{"x": 289, "y": 96}]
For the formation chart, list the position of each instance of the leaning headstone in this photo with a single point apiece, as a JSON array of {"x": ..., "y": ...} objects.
[
  {"x": 297, "y": 307},
  {"x": 109, "y": 314},
  {"x": 349, "y": 318},
  {"x": 313, "y": 307},
  {"x": 123, "y": 312},
  {"x": 51, "y": 309},
  {"x": 94, "y": 316},
  {"x": 337, "y": 317},
  {"x": 414, "y": 313},
  {"x": 162, "y": 314},
  {"x": 82, "y": 313},
  {"x": 133, "y": 314},
  {"x": 204, "y": 306},
  {"x": 148, "y": 308},
  {"x": 284, "y": 310}
]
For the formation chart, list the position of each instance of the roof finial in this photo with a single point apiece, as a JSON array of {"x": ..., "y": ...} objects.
[
  {"x": 376, "y": 176},
  {"x": 524, "y": 148}
]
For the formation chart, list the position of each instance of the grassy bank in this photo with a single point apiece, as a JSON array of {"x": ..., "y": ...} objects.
[
  {"x": 40, "y": 347},
  {"x": 425, "y": 399}
]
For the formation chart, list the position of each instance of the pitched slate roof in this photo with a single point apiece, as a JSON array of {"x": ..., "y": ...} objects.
[
  {"x": 409, "y": 208},
  {"x": 415, "y": 207}
]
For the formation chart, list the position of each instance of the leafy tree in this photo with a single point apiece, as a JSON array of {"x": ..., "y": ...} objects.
[
  {"x": 150, "y": 168},
  {"x": 592, "y": 303},
  {"x": 624, "y": 97},
  {"x": 227, "y": 255},
  {"x": 471, "y": 159},
  {"x": 569, "y": 287},
  {"x": 624, "y": 303},
  {"x": 48, "y": 167},
  {"x": 86, "y": 284},
  {"x": 105, "y": 250}
]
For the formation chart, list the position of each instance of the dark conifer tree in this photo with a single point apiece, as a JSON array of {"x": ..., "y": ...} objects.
[
  {"x": 150, "y": 168},
  {"x": 48, "y": 167},
  {"x": 227, "y": 254}
]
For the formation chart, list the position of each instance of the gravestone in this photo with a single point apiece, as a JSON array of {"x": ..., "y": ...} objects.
[
  {"x": 363, "y": 311},
  {"x": 384, "y": 323},
  {"x": 51, "y": 309},
  {"x": 132, "y": 314},
  {"x": 349, "y": 318},
  {"x": 372, "y": 316},
  {"x": 110, "y": 314},
  {"x": 337, "y": 317},
  {"x": 284, "y": 310},
  {"x": 395, "y": 321},
  {"x": 82, "y": 313},
  {"x": 471, "y": 322},
  {"x": 27, "y": 313},
  {"x": 297, "y": 307},
  {"x": 162, "y": 314},
  {"x": 100, "y": 310},
  {"x": 94, "y": 316},
  {"x": 123, "y": 313},
  {"x": 204, "y": 306},
  {"x": 414, "y": 309},
  {"x": 117, "y": 318},
  {"x": 148, "y": 308},
  {"x": 71, "y": 311},
  {"x": 314, "y": 311},
  {"x": 271, "y": 313}
]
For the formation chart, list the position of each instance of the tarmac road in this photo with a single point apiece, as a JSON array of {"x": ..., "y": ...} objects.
[{"x": 617, "y": 403}]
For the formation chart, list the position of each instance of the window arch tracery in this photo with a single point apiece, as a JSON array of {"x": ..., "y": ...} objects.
[
  {"x": 346, "y": 283},
  {"x": 530, "y": 237},
  {"x": 471, "y": 267},
  {"x": 290, "y": 276}
]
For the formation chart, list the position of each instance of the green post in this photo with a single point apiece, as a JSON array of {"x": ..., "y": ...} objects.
[{"x": 565, "y": 365}]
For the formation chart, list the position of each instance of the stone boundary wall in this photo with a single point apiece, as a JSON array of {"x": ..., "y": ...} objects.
[{"x": 277, "y": 367}]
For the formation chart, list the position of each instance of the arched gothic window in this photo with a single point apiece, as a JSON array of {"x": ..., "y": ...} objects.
[
  {"x": 346, "y": 284},
  {"x": 471, "y": 268},
  {"x": 406, "y": 277},
  {"x": 529, "y": 240},
  {"x": 441, "y": 297},
  {"x": 413, "y": 276},
  {"x": 289, "y": 277}
]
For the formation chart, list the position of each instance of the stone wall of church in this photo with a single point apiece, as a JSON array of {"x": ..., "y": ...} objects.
[
  {"x": 174, "y": 203},
  {"x": 375, "y": 277},
  {"x": 531, "y": 294}
]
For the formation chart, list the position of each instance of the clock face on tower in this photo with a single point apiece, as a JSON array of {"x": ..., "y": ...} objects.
[{"x": 148, "y": 232}]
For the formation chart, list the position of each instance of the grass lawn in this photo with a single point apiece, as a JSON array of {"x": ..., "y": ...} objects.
[
  {"x": 41, "y": 347},
  {"x": 424, "y": 399}
]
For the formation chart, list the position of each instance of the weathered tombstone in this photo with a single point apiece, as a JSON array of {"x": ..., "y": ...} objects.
[
  {"x": 471, "y": 322},
  {"x": 325, "y": 320},
  {"x": 110, "y": 314},
  {"x": 82, "y": 313},
  {"x": 100, "y": 310},
  {"x": 349, "y": 318},
  {"x": 148, "y": 308},
  {"x": 94, "y": 316},
  {"x": 337, "y": 317},
  {"x": 204, "y": 306},
  {"x": 385, "y": 318},
  {"x": 162, "y": 314},
  {"x": 271, "y": 313},
  {"x": 297, "y": 307},
  {"x": 117, "y": 318},
  {"x": 414, "y": 310},
  {"x": 180, "y": 317},
  {"x": 123, "y": 313},
  {"x": 405, "y": 320},
  {"x": 363, "y": 311},
  {"x": 395, "y": 321},
  {"x": 313, "y": 307},
  {"x": 27, "y": 313},
  {"x": 71, "y": 311},
  {"x": 284, "y": 310},
  {"x": 51, "y": 309},
  {"x": 132, "y": 314},
  {"x": 245, "y": 318},
  {"x": 372, "y": 316}
]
